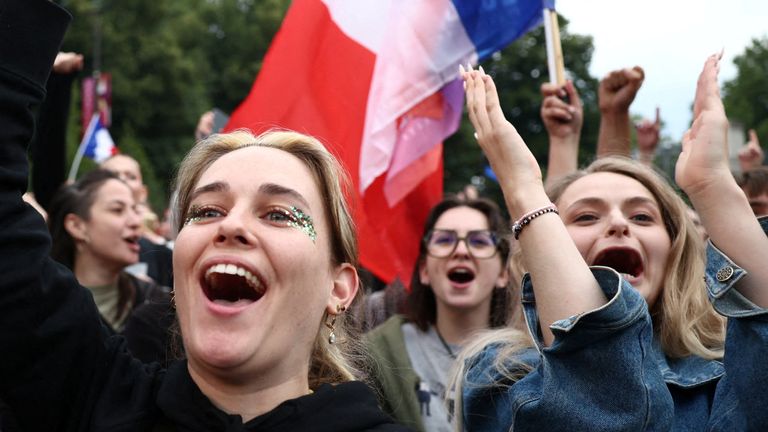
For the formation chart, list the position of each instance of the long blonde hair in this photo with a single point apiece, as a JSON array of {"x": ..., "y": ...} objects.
[{"x": 329, "y": 363}]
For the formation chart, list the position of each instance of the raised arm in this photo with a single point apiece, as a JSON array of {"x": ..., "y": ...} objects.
[
  {"x": 702, "y": 171},
  {"x": 563, "y": 121},
  {"x": 49, "y": 327},
  {"x": 615, "y": 94},
  {"x": 563, "y": 283},
  {"x": 648, "y": 136}
]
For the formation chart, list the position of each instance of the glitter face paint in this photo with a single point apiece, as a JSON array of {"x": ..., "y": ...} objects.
[
  {"x": 296, "y": 218},
  {"x": 303, "y": 222},
  {"x": 193, "y": 216}
]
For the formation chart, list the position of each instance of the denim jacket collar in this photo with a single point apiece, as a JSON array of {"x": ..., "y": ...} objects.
[{"x": 687, "y": 372}]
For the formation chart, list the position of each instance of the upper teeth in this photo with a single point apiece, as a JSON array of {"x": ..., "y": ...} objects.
[{"x": 233, "y": 269}]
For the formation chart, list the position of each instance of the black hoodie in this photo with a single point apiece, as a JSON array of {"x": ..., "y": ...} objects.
[{"x": 60, "y": 370}]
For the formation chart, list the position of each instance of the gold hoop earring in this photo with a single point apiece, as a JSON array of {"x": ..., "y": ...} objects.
[{"x": 332, "y": 335}]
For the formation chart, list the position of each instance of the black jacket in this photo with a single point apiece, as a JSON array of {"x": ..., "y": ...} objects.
[
  {"x": 149, "y": 330},
  {"x": 60, "y": 369}
]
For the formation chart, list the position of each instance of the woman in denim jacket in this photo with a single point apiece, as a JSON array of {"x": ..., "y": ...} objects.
[{"x": 631, "y": 343}]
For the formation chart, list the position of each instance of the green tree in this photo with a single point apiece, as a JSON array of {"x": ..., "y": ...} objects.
[
  {"x": 745, "y": 97},
  {"x": 519, "y": 70},
  {"x": 238, "y": 35},
  {"x": 170, "y": 62}
]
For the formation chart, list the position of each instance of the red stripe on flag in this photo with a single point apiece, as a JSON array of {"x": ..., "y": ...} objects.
[{"x": 316, "y": 80}]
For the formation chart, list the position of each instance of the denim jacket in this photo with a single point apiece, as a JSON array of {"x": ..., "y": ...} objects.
[{"x": 604, "y": 371}]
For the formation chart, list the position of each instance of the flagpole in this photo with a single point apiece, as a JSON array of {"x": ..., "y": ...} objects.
[
  {"x": 554, "y": 49},
  {"x": 81, "y": 149}
]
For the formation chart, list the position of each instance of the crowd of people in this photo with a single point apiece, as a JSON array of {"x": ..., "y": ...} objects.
[{"x": 607, "y": 302}]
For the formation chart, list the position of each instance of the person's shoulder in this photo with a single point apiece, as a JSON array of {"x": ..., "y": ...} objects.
[{"x": 388, "y": 329}]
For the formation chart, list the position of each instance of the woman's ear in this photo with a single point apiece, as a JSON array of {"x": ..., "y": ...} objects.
[
  {"x": 423, "y": 274},
  {"x": 76, "y": 227},
  {"x": 345, "y": 285},
  {"x": 503, "y": 278}
]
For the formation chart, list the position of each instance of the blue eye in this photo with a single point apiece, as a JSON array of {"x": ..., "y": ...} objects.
[
  {"x": 203, "y": 213},
  {"x": 279, "y": 216},
  {"x": 642, "y": 217}
]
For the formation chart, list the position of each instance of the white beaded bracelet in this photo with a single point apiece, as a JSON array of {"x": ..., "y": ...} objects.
[{"x": 517, "y": 227}]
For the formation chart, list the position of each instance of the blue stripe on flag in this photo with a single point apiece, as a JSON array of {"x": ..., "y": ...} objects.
[{"x": 493, "y": 24}]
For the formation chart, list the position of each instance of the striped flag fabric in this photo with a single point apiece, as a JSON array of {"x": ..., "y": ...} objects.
[
  {"x": 377, "y": 81},
  {"x": 97, "y": 142}
]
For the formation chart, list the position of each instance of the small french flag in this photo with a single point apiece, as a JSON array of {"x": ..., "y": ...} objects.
[{"x": 97, "y": 142}]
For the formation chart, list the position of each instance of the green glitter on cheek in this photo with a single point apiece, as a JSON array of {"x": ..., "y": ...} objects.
[{"x": 303, "y": 222}]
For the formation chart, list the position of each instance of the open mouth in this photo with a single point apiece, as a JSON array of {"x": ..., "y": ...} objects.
[
  {"x": 229, "y": 283},
  {"x": 461, "y": 275},
  {"x": 624, "y": 260},
  {"x": 133, "y": 242}
]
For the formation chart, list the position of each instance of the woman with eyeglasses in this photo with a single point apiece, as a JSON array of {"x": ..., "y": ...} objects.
[{"x": 460, "y": 285}]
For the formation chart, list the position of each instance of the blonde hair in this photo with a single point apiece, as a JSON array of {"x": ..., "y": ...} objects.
[
  {"x": 683, "y": 318},
  {"x": 329, "y": 363}
]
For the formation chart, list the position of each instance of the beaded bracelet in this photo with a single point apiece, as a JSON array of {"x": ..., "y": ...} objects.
[{"x": 517, "y": 227}]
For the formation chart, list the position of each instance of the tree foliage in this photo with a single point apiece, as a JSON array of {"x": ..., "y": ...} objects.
[{"x": 745, "y": 97}]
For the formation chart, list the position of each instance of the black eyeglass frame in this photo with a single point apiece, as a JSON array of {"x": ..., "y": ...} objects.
[{"x": 494, "y": 237}]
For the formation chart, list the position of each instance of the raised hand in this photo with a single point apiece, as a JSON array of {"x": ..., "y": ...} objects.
[
  {"x": 615, "y": 94},
  {"x": 703, "y": 161},
  {"x": 648, "y": 135},
  {"x": 563, "y": 120},
  {"x": 563, "y": 284},
  {"x": 514, "y": 165},
  {"x": 618, "y": 89},
  {"x": 67, "y": 63},
  {"x": 751, "y": 156},
  {"x": 702, "y": 171}
]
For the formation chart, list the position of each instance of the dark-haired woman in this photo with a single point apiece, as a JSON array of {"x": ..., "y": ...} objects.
[
  {"x": 95, "y": 229},
  {"x": 460, "y": 285}
]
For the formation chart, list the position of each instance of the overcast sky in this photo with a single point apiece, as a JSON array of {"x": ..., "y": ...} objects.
[{"x": 670, "y": 39}]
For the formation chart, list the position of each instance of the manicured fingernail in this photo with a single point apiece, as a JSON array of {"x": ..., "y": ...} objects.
[
  {"x": 461, "y": 69},
  {"x": 481, "y": 70},
  {"x": 571, "y": 109},
  {"x": 464, "y": 83},
  {"x": 469, "y": 66}
]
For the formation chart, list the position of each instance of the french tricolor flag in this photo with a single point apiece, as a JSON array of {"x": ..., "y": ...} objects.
[
  {"x": 97, "y": 143},
  {"x": 377, "y": 82}
]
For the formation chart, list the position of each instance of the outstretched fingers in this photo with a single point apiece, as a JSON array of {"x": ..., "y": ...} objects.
[
  {"x": 476, "y": 101},
  {"x": 703, "y": 162},
  {"x": 707, "y": 89}
]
